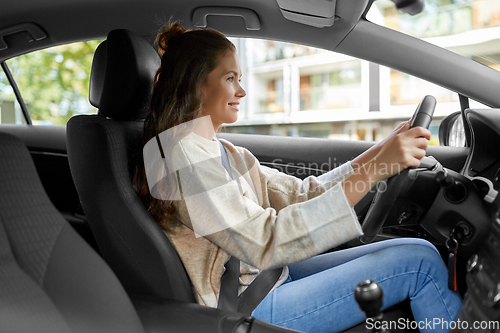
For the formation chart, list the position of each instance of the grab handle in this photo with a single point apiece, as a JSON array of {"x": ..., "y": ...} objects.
[{"x": 34, "y": 30}]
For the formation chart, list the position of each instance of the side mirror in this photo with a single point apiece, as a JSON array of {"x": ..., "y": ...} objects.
[{"x": 452, "y": 131}]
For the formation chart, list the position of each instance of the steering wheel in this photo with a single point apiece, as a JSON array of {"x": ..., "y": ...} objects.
[{"x": 388, "y": 190}]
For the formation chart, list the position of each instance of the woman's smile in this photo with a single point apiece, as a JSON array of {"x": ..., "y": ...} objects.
[{"x": 235, "y": 105}]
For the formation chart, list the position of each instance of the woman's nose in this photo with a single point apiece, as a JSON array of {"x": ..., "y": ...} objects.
[{"x": 241, "y": 92}]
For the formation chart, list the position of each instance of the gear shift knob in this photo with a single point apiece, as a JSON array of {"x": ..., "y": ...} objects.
[{"x": 368, "y": 295}]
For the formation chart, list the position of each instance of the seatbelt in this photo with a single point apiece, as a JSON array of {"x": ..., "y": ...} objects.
[
  {"x": 230, "y": 280},
  {"x": 260, "y": 286},
  {"x": 258, "y": 290}
]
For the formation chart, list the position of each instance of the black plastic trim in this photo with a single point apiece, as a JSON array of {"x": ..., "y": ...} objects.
[{"x": 19, "y": 98}]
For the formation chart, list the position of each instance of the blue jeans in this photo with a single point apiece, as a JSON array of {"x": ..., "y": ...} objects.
[{"x": 318, "y": 295}]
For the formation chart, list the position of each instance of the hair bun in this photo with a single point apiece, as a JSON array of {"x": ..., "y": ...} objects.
[{"x": 169, "y": 35}]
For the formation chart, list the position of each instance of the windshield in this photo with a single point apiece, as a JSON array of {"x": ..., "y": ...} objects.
[{"x": 470, "y": 28}]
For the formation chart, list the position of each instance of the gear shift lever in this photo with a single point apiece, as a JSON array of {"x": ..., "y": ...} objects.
[{"x": 368, "y": 295}]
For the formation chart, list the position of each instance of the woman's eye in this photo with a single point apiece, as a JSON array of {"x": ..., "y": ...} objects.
[{"x": 230, "y": 79}]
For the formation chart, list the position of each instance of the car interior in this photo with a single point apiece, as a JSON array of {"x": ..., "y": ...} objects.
[{"x": 81, "y": 252}]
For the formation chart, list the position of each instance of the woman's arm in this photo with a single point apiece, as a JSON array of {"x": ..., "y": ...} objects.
[
  {"x": 403, "y": 148},
  {"x": 270, "y": 219},
  {"x": 263, "y": 217}
]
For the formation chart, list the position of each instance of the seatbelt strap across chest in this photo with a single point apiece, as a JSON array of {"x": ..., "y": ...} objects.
[
  {"x": 257, "y": 290},
  {"x": 228, "y": 295}
]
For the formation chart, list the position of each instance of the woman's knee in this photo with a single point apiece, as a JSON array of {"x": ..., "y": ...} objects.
[
  {"x": 426, "y": 243},
  {"x": 424, "y": 258},
  {"x": 413, "y": 241},
  {"x": 423, "y": 250}
]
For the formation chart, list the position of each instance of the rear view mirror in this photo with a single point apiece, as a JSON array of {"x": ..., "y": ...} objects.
[
  {"x": 452, "y": 131},
  {"x": 412, "y": 7}
]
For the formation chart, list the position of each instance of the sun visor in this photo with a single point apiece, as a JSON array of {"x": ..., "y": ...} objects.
[{"x": 317, "y": 13}]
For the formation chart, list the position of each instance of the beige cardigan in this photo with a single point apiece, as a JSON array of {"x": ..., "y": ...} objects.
[{"x": 269, "y": 219}]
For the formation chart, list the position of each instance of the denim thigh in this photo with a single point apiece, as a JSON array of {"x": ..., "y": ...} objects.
[{"x": 319, "y": 297}]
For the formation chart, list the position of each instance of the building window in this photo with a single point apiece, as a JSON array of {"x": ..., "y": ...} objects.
[
  {"x": 336, "y": 89},
  {"x": 273, "y": 101}
]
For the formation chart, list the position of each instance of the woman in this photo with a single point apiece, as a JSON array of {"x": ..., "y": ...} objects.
[{"x": 266, "y": 218}]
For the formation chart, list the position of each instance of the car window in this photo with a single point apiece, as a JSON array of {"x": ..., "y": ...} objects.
[
  {"x": 10, "y": 110},
  {"x": 469, "y": 28},
  {"x": 54, "y": 82},
  {"x": 294, "y": 90}
]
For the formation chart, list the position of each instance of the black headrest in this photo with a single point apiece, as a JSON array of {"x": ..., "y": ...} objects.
[{"x": 122, "y": 75}]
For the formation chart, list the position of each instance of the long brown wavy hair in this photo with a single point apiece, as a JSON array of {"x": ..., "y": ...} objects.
[{"x": 188, "y": 56}]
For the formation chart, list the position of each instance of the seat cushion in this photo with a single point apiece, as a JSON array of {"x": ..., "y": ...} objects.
[{"x": 50, "y": 278}]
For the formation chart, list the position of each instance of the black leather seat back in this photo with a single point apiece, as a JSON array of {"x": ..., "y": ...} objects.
[
  {"x": 101, "y": 152},
  {"x": 50, "y": 278}
]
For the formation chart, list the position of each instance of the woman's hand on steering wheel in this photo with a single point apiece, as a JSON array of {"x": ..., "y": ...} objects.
[{"x": 403, "y": 148}]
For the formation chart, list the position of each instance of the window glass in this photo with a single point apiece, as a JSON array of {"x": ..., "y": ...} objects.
[
  {"x": 470, "y": 28},
  {"x": 406, "y": 89},
  {"x": 269, "y": 50},
  {"x": 295, "y": 90},
  {"x": 10, "y": 110},
  {"x": 54, "y": 82}
]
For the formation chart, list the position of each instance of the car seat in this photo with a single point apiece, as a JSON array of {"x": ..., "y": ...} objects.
[
  {"x": 101, "y": 152},
  {"x": 50, "y": 278},
  {"x": 52, "y": 281}
]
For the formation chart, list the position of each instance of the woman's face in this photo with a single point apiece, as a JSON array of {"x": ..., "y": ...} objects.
[{"x": 222, "y": 91}]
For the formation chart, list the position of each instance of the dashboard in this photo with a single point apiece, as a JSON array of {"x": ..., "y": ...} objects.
[
  {"x": 482, "y": 166},
  {"x": 436, "y": 201}
]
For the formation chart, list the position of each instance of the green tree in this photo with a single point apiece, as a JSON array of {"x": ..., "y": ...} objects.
[{"x": 54, "y": 82}]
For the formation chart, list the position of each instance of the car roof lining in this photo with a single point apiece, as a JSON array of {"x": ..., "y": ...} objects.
[{"x": 153, "y": 15}]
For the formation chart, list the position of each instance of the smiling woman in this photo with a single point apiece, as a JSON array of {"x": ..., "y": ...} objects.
[{"x": 231, "y": 227}]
